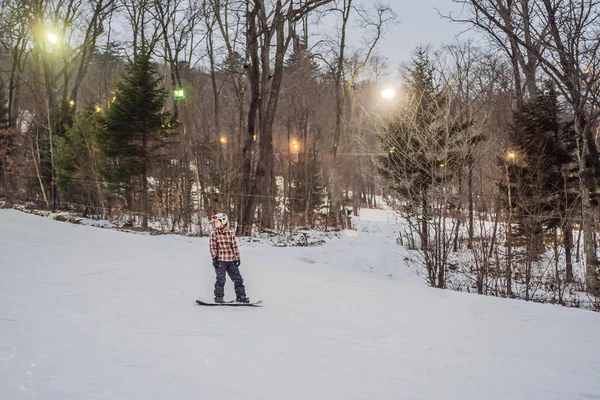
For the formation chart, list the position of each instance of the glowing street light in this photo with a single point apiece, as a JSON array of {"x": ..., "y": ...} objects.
[
  {"x": 223, "y": 140},
  {"x": 52, "y": 38},
  {"x": 388, "y": 94},
  {"x": 511, "y": 155},
  {"x": 295, "y": 146},
  {"x": 98, "y": 109},
  {"x": 71, "y": 103}
]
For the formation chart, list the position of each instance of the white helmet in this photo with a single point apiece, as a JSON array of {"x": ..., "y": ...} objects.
[{"x": 220, "y": 217}]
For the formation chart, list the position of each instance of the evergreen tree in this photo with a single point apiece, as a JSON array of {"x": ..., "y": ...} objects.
[
  {"x": 135, "y": 128},
  {"x": 78, "y": 160},
  {"x": 4, "y": 117},
  {"x": 543, "y": 170},
  {"x": 424, "y": 142},
  {"x": 7, "y": 144},
  {"x": 305, "y": 180},
  {"x": 423, "y": 89}
]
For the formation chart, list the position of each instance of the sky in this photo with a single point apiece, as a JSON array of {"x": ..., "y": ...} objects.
[{"x": 418, "y": 23}]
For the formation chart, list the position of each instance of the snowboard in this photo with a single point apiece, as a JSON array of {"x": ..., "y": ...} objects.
[{"x": 230, "y": 303}]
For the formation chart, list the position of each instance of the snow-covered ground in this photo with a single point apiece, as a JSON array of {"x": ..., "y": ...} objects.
[{"x": 89, "y": 313}]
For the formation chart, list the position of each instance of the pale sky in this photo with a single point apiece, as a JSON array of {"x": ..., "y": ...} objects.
[{"x": 419, "y": 23}]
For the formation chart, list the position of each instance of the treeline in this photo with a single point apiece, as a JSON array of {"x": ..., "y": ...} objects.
[
  {"x": 172, "y": 110},
  {"x": 506, "y": 164},
  {"x": 167, "y": 111}
]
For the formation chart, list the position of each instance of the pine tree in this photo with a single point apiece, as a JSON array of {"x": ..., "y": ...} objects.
[
  {"x": 543, "y": 172},
  {"x": 425, "y": 144},
  {"x": 7, "y": 144},
  {"x": 305, "y": 181},
  {"x": 4, "y": 118},
  {"x": 78, "y": 160},
  {"x": 424, "y": 90},
  {"x": 135, "y": 128}
]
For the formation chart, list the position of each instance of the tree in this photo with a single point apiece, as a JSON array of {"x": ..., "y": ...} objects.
[
  {"x": 545, "y": 193},
  {"x": 7, "y": 145},
  {"x": 426, "y": 144},
  {"x": 4, "y": 117},
  {"x": 78, "y": 161},
  {"x": 565, "y": 52},
  {"x": 301, "y": 101},
  {"x": 135, "y": 128},
  {"x": 269, "y": 31}
]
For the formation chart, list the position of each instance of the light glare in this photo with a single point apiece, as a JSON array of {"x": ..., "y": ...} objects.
[{"x": 388, "y": 94}]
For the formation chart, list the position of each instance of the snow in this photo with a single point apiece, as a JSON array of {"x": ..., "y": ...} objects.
[
  {"x": 369, "y": 214},
  {"x": 101, "y": 223},
  {"x": 89, "y": 313}
]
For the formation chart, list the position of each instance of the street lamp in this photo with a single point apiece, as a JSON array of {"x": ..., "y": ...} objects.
[
  {"x": 388, "y": 94},
  {"x": 223, "y": 140},
  {"x": 52, "y": 38},
  {"x": 295, "y": 146}
]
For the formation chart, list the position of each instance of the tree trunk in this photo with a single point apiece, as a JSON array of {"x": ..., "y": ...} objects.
[
  {"x": 471, "y": 213},
  {"x": 441, "y": 247},
  {"x": 589, "y": 247},
  {"x": 145, "y": 183},
  {"x": 340, "y": 100},
  {"x": 36, "y": 162},
  {"x": 509, "y": 238},
  {"x": 145, "y": 199},
  {"x": 253, "y": 70},
  {"x": 567, "y": 231},
  {"x": 13, "y": 85},
  {"x": 424, "y": 222}
]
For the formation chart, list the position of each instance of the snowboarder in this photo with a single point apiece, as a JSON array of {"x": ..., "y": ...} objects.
[{"x": 226, "y": 259}]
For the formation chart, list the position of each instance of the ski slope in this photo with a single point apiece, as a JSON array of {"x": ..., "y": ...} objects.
[{"x": 91, "y": 313}]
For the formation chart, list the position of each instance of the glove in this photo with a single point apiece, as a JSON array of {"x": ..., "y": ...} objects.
[
  {"x": 236, "y": 263},
  {"x": 216, "y": 262}
]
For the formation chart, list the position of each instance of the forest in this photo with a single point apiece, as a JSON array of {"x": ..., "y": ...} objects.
[{"x": 160, "y": 113}]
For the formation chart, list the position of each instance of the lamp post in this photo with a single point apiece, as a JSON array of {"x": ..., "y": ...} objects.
[
  {"x": 511, "y": 158},
  {"x": 51, "y": 42}
]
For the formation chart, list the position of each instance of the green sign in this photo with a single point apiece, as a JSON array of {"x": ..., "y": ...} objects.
[{"x": 179, "y": 94}]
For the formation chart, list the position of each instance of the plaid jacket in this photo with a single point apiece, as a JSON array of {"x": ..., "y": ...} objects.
[{"x": 223, "y": 245}]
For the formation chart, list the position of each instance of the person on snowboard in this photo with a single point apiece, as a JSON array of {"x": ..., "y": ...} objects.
[{"x": 226, "y": 259}]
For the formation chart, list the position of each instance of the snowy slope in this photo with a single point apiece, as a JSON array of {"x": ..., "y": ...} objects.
[{"x": 89, "y": 313}]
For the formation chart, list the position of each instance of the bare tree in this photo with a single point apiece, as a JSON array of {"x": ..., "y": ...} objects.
[
  {"x": 427, "y": 148},
  {"x": 266, "y": 29},
  {"x": 14, "y": 39},
  {"x": 560, "y": 40}
]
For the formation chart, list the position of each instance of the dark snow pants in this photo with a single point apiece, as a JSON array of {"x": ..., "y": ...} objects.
[{"x": 234, "y": 275}]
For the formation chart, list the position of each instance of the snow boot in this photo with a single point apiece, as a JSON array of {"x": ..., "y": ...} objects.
[
  {"x": 243, "y": 299},
  {"x": 219, "y": 300}
]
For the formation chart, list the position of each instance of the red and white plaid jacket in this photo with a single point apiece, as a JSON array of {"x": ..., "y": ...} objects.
[{"x": 223, "y": 245}]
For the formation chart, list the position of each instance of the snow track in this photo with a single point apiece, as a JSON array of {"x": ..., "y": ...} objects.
[{"x": 90, "y": 313}]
